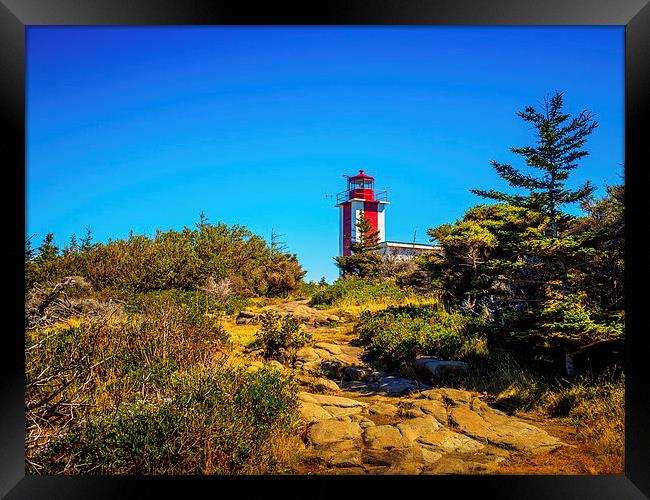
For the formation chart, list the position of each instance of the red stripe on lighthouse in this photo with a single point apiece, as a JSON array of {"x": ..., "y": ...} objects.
[
  {"x": 370, "y": 213},
  {"x": 347, "y": 228}
]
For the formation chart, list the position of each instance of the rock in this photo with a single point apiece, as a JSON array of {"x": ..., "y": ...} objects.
[
  {"x": 246, "y": 317},
  {"x": 356, "y": 373},
  {"x": 502, "y": 431},
  {"x": 445, "y": 441},
  {"x": 429, "y": 456},
  {"x": 333, "y": 349},
  {"x": 359, "y": 386},
  {"x": 419, "y": 426},
  {"x": 340, "y": 412},
  {"x": 434, "y": 408},
  {"x": 303, "y": 313},
  {"x": 471, "y": 424},
  {"x": 383, "y": 409},
  {"x": 441, "y": 369},
  {"x": 340, "y": 454},
  {"x": 397, "y": 385},
  {"x": 277, "y": 365},
  {"x": 384, "y": 436},
  {"x": 327, "y": 400},
  {"x": 324, "y": 355},
  {"x": 522, "y": 436},
  {"x": 331, "y": 431},
  {"x": 457, "y": 396},
  {"x": 331, "y": 368},
  {"x": 306, "y": 355},
  {"x": 324, "y": 385},
  {"x": 450, "y": 465},
  {"x": 311, "y": 412},
  {"x": 406, "y": 460},
  {"x": 362, "y": 421},
  {"x": 347, "y": 359}
]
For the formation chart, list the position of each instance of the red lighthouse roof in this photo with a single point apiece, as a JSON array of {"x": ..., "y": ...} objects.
[{"x": 361, "y": 175}]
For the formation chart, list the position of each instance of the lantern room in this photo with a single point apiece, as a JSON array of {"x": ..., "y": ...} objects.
[{"x": 361, "y": 187}]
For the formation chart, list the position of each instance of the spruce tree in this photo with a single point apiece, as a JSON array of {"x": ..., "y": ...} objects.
[
  {"x": 559, "y": 146},
  {"x": 87, "y": 241},
  {"x": 48, "y": 250},
  {"x": 368, "y": 236},
  {"x": 365, "y": 260}
]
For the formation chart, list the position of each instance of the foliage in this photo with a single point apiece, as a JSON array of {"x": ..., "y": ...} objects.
[
  {"x": 365, "y": 260},
  {"x": 174, "y": 259},
  {"x": 357, "y": 291},
  {"x": 481, "y": 254},
  {"x": 280, "y": 336},
  {"x": 151, "y": 393},
  {"x": 362, "y": 264},
  {"x": 557, "y": 150},
  {"x": 545, "y": 279},
  {"x": 597, "y": 409},
  {"x": 218, "y": 421},
  {"x": 396, "y": 335},
  {"x": 368, "y": 235}
]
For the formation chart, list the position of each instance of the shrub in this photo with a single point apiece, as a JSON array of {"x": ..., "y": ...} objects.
[
  {"x": 101, "y": 364},
  {"x": 219, "y": 420},
  {"x": 173, "y": 259},
  {"x": 396, "y": 335},
  {"x": 280, "y": 336}
]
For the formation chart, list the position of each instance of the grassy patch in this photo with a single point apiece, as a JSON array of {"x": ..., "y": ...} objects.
[{"x": 353, "y": 291}]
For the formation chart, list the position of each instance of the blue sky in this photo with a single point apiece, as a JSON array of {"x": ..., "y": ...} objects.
[{"x": 145, "y": 127}]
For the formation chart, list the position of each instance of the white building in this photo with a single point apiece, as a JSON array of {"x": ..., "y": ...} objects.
[{"x": 404, "y": 251}]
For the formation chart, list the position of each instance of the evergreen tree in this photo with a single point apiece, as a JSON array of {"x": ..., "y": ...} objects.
[
  {"x": 365, "y": 260},
  {"x": 29, "y": 250},
  {"x": 368, "y": 236},
  {"x": 558, "y": 148},
  {"x": 48, "y": 250},
  {"x": 87, "y": 241}
]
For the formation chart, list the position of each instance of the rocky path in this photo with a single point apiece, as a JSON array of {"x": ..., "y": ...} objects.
[
  {"x": 359, "y": 420},
  {"x": 362, "y": 421}
]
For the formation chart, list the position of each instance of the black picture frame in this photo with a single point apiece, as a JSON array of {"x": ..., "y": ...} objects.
[{"x": 16, "y": 15}]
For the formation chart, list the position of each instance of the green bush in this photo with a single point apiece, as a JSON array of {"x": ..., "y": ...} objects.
[
  {"x": 396, "y": 335},
  {"x": 280, "y": 336},
  {"x": 357, "y": 291},
  {"x": 197, "y": 302},
  {"x": 172, "y": 259},
  {"x": 218, "y": 421}
]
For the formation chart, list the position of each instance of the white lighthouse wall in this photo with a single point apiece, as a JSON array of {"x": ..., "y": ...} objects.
[{"x": 357, "y": 208}]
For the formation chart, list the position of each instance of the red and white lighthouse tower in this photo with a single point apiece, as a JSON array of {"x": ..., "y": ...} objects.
[{"x": 360, "y": 197}]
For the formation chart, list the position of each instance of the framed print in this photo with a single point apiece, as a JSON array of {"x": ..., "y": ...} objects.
[{"x": 348, "y": 244}]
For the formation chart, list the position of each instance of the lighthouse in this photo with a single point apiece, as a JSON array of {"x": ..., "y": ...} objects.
[{"x": 360, "y": 197}]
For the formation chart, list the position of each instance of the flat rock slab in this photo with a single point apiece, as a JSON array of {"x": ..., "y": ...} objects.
[
  {"x": 332, "y": 431},
  {"x": 328, "y": 400},
  {"x": 417, "y": 427},
  {"x": 384, "y": 436},
  {"x": 439, "y": 368},
  {"x": 302, "y": 312},
  {"x": 414, "y": 435}
]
